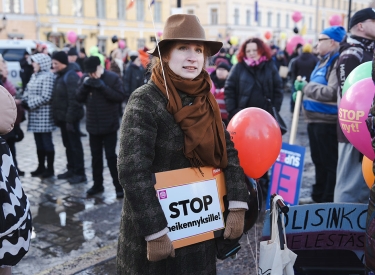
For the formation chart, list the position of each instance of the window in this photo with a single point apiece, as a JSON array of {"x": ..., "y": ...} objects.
[
  {"x": 12, "y": 54},
  {"x": 120, "y": 9},
  {"x": 157, "y": 11},
  {"x": 287, "y": 21},
  {"x": 140, "y": 10},
  {"x": 323, "y": 23},
  {"x": 102, "y": 44},
  {"x": 78, "y": 8},
  {"x": 269, "y": 19},
  {"x": 12, "y": 6},
  {"x": 100, "y": 8},
  {"x": 259, "y": 18},
  {"x": 53, "y": 7},
  {"x": 339, "y": 4},
  {"x": 311, "y": 2},
  {"x": 278, "y": 20},
  {"x": 236, "y": 16},
  {"x": 214, "y": 15},
  {"x": 310, "y": 23},
  {"x": 248, "y": 17},
  {"x": 333, "y": 4},
  {"x": 141, "y": 43}
]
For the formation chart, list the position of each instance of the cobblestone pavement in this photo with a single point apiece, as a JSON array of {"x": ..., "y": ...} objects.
[{"x": 76, "y": 234}]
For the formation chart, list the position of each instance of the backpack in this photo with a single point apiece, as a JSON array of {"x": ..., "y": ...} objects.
[{"x": 15, "y": 215}]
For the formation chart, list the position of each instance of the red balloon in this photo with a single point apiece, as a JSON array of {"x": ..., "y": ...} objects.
[
  {"x": 335, "y": 20},
  {"x": 257, "y": 138},
  {"x": 267, "y": 35}
]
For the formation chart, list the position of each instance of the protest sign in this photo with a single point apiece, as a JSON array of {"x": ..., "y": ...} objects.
[
  {"x": 192, "y": 203},
  {"x": 286, "y": 174}
]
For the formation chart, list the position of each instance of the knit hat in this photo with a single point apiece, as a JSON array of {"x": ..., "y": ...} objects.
[
  {"x": 361, "y": 15},
  {"x": 307, "y": 48},
  {"x": 336, "y": 33},
  {"x": 72, "y": 51},
  {"x": 91, "y": 64},
  {"x": 223, "y": 66},
  {"x": 61, "y": 56},
  {"x": 8, "y": 111}
]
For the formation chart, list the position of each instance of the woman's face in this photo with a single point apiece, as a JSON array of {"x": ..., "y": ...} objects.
[
  {"x": 252, "y": 51},
  {"x": 36, "y": 67},
  {"x": 186, "y": 59}
]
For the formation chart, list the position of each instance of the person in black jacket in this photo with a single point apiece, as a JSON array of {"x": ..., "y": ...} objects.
[
  {"x": 134, "y": 75},
  {"x": 357, "y": 49},
  {"x": 26, "y": 69},
  {"x": 254, "y": 82},
  {"x": 67, "y": 112},
  {"x": 102, "y": 92}
]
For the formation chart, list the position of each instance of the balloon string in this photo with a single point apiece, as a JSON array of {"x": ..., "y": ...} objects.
[{"x": 157, "y": 46}]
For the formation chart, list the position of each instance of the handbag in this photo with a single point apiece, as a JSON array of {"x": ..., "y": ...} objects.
[
  {"x": 275, "y": 258},
  {"x": 15, "y": 215},
  {"x": 278, "y": 118},
  {"x": 283, "y": 71}
]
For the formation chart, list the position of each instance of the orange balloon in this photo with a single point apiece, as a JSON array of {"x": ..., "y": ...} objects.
[
  {"x": 367, "y": 171},
  {"x": 257, "y": 138},
  {"x": 267, "y": 35}
]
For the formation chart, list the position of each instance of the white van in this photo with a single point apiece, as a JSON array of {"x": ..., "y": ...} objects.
[{"x": 12, "y": 52}]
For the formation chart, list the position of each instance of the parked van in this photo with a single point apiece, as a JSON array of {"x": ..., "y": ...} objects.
[{"x": 12, "y": 52}]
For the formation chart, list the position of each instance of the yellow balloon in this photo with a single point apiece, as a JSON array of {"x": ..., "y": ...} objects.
[
  {"x": 283, "y": 35},
  {"x": 234, "y": 40}
]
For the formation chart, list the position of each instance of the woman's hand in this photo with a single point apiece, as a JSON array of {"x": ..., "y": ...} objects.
[
  {"x": 235, "y": 223},
  {"x": 160, "y": 249}
]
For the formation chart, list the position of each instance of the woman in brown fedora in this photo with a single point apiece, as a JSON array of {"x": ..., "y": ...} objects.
[{"x": 173, "y": 122}]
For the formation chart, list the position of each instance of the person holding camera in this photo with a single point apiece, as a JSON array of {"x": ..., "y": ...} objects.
[{"x": 101, "y": 91}]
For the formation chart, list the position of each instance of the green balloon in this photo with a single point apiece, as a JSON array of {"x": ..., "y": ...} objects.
[{"x": 360, "y": 72}]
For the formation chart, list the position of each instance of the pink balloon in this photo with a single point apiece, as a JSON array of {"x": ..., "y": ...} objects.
[
  {"x": 353, "y": 110},
  {"x": 121, "y": 44},
  {"x": 292, "y": 43},
  {"x": 296, "y": 16},
  {"x": 71, "y": 36},
  {"x": 335, "y": 20},
  {"x": 159, "y": 33}
]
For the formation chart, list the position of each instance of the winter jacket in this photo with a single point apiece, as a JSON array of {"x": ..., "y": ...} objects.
[
  {"x": 151, "y": 142},
  {"x": 321, "y": 98},
  {"x": 133, "y": 78},
  {"x": 65, "y": 106},
  {"x": 353, "y": 52},
  {"x": 250, "y": 86},
  {"x": 303, "y": 66},
  {"x": 38, "y": 95},
  {"x": 217, "y": 89},
  {"x": 102, "y": 97},
  {"x": 26, "y": 72}
]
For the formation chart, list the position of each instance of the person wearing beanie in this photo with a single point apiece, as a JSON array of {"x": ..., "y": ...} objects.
[
  {"x": 357, "y": 49},
  {"x": 304, "y": 64},
  {"x": 218, "y": 78},
  {"x": 134, "y": 74},
  {"x": 67, "y": 113},
  {"x": 102, "y": 91},
  {"x": 320, "y": 109}
]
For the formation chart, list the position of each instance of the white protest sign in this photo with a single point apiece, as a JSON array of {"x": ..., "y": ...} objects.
[{"x": 191, "y": 209}]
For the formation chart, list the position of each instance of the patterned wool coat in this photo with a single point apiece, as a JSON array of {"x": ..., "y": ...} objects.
[
  {"x": 151, "y": 142},
  {"x": 38, "y": 96}
]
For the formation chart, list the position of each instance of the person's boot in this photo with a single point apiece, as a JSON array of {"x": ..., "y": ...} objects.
[
  {"x": 49, "y": 172},
  {"x": 41, "y": 158}
]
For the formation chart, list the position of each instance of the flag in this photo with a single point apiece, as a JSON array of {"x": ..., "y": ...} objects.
[
  {"x": 130, "y": 5},
  {"x": 303, "y": 30},
  {"x": 152, "y": 2},
  {"x": 256, "y": 11}
]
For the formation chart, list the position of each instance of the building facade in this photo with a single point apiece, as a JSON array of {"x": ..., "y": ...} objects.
[{"x": 97, "y": 21}]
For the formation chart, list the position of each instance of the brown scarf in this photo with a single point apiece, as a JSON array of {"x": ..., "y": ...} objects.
[{"x": 205, "y": 143}]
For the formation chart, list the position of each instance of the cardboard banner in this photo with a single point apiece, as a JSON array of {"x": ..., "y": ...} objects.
[
  {"x": 324, "y": 226},
  {"x": 192, "y": 203},
  {"x": 286, "y": 174}
]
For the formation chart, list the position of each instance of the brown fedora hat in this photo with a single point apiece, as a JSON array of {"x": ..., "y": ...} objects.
[{"x": 185, "y": 27}]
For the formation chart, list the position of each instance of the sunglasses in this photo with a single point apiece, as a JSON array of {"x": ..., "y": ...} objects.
[{"x": 322, "y": 39}]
